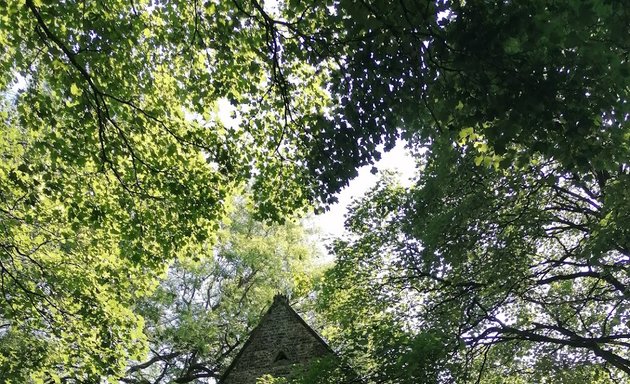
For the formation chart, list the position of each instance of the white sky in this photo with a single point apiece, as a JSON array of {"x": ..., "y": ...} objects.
[{"x": 330, "y": 223}]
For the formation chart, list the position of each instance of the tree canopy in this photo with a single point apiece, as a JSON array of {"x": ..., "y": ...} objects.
[
  {"x": 508, "y": 257},
  {"x": 510, "y": 252},
  {"x": 497, "y": 273},
  {"x": 514, "y": 241},
  {"x": 115, "y": 162}
]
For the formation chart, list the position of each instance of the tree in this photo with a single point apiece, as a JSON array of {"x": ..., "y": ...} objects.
[
  {"x": 513, "y": 242},
  {"x": 517, "y": 272},
  {"x": 115, "y": 162},
  {"x": 522, "y": 78},
  {"x": 203, "y": 311}
]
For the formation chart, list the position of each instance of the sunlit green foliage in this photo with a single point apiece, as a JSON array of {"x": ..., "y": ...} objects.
[
  {"x": 114, "y": 161},
  {"x": 202, "y": 313}
]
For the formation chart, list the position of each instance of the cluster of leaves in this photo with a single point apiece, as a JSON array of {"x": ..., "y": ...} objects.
[{"x": 528, "y": 77}]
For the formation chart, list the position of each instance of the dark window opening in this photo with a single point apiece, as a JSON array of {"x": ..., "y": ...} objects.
[{"x": 280, "y": 357}]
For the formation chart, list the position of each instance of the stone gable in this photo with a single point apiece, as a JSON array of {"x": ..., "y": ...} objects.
[{"x": 280, "y": 343}]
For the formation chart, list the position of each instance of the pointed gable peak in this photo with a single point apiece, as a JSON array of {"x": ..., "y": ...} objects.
[
  {"x": 280, "y": 298},
  {"x": 281, "y": 342}
]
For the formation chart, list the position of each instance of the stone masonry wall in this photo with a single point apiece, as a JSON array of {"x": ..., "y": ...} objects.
[{"x": 280, "y": 343}]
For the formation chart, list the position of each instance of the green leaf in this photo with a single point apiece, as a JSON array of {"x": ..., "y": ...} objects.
[{"x": 75, "y": 90}]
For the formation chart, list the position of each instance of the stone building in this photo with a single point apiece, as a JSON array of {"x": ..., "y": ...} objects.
[{"x": 281, "y": 343}]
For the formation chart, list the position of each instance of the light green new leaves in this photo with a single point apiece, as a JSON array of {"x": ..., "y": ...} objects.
[
  {"x": 202, "y": 312},
  {"x": 113, "y": 165}
]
